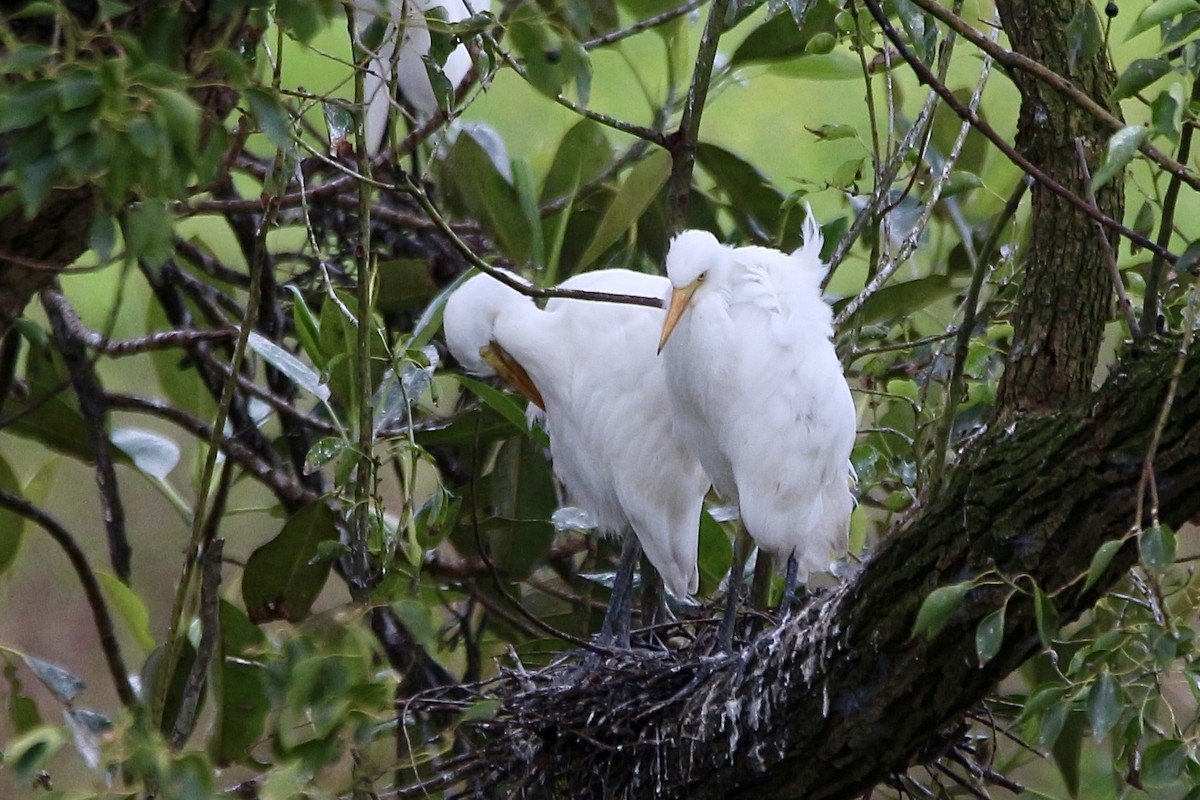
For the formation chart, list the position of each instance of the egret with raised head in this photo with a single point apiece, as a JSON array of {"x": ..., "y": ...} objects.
[
  {"x": 759, "y": 395},
  {"x": 592, "y": 367}
]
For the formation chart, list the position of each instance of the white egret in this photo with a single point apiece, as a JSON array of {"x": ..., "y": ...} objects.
[
  {"x": 759, "y": 395},
  {"x": 405, "y": 20},
  {"x": 592, "y": 367}
]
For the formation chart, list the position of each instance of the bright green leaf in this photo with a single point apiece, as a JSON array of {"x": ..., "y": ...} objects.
[
  {"x": 1046, "y": 615},
  {"x": 1158, "y": 12},
  {"x": 130, "y": 609}
]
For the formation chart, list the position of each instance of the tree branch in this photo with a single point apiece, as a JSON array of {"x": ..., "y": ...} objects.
[{"x": 841, "y": 696}]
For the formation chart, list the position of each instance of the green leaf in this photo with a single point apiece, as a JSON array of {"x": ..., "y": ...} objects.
[
  {"x": 308, "y": 330},
  {"x": 753, "y": 201},
  {"x": 339, "y": 343},
  {"x": 1084, "y": 36},
  {"x": 523, "y": 497},
  {"x": 154, "y": 675},
  {"x": 1052, "y": 724},
  {"x": 498, "y": 401},
  {"x": 960, "y": 182},
  {"x": 1047, "y": 616},
  {"x": 715, "y": 554},
  {"x": 833, "y": 132},
  {"x": 903, "y": 299},
  {"x": 28, "y": 756},
  {"x": 1100, "y": 561},
  {"x": 936, "y": 609},
  {"x": 1104, "y": 704},
  {"x": 634, "y": 197},
  {"x": 282, "y": 579},
  {"x": 238, "y": 685},
  {"x": 1159, "y": 12},
  {"x": 324, "y": 451},
  {"x": 1163, "y": 762},
  {"x": 780, "y": 38},
  {"x": 1166, "y": 112},
  {"x": 148, "y": 227},
  {"x": 103, "y": 236},
  {"x": 477, "y": 167},
  {"x": 272, "y": 119},
  {"x": 1156, "y": 546},
  {"x": 130, "y": 608},
  {"x": 1138, "y": 75},
  {"x": 835, "y": 66},
  {"x": 23, "y": 714},
  {"x": 989, "y": 636},
  {"x": 1122, "y": 147},
  {"x": 296, "y": 370},
  {"x": 12, "y": 524},
  {"x": 582, "y": 156},
  {"x": 418, "y": 620}
]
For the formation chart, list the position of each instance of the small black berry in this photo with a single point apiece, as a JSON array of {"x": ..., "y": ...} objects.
[{"x": 1111, "y": 10}]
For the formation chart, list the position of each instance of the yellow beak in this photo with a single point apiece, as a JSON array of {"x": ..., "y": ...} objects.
[
  {"x": 512, "y": 373},
  {"x": 680, "y": 298}
]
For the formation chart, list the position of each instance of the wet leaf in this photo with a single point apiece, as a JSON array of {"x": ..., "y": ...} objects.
[
  {"x": 1104, "y": 704},
  {"x": 1138, "y": 75},
  {"x": 296, "y": 370},
  {"x": 989, "y": 636},
  {"x": 1156, "y": 546},
  {"x": 1122, "y": 147},
  {"x": 937, "y": 608}
]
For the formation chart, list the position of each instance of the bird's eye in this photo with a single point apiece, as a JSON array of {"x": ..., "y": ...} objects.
[{"x": 700, "y": 277}]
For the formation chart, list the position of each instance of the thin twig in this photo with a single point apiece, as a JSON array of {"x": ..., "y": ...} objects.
[
  {"x": 1013, "y": 60},
  {"x": 682, "y": 142},
  {"x": 210, "y": 584},
  {"x": 926, "y": 77},
  {"x": 93, "y": 406},
  {"x": 642, "y": 25},
  {"x": 91, "y": 588},
  {"x": 1110, "y": 257},
  {"x": 1151, "y": 303}
]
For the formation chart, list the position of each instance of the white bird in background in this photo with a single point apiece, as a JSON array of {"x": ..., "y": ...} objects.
[
  {"x": 759, "y": 395},
  {"x": 406, "y": 19},
  {"x": 593, "y": 368}
]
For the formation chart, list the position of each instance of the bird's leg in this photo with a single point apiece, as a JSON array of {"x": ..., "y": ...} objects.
[
  {"x": 789, "y": 587},
  {"x": 653, "y": 601},
  {"x": 620, "y": 604},
  {"x": 733, "y": 590},
  {"x": 760, "y": 588}
]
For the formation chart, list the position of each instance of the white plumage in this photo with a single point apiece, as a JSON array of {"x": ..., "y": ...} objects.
[
  {"x": 594, "y": 367},
  {"x": 406, "y": 20},
  {"x": 758, "y": 392}
]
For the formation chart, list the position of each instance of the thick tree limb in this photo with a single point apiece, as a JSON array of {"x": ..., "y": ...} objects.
[{"x": 843, "y": 695}]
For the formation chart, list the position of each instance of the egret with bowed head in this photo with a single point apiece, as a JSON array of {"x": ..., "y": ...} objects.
[
  {"x": 759, "y": 395},
  {"x": 592, "y": 368}
]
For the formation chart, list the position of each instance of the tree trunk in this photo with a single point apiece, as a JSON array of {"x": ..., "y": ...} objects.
[
  {"x": 843, "y": 695},
  {"x": 1065, "y": 295}
]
